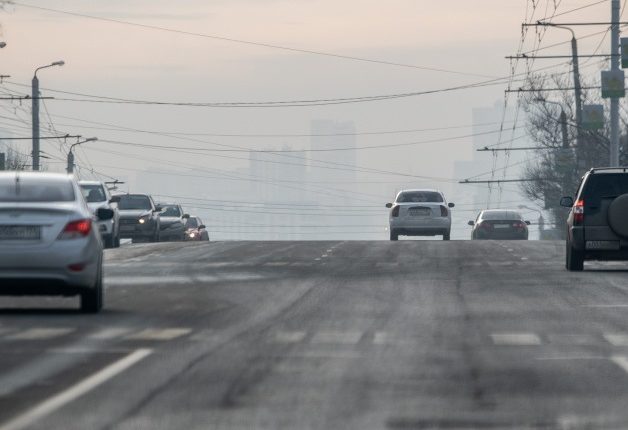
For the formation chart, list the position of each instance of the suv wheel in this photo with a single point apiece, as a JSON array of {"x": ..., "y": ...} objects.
[
  {"x": 447, "y": 235},
  {"x": 109, "y": 241},
  {"x": 394, "y": 235},
  {"x": 574, "y": 259}
]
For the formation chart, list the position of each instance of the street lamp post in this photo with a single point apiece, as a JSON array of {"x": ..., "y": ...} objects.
[
  {"x": 70, "y": 168},
  {"x": 35, "y": 112}
]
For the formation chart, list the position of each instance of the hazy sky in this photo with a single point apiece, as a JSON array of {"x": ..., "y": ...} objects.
[{"x": 469, "y": 37}]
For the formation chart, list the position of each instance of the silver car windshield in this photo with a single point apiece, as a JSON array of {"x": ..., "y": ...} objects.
[
  {"x": 171, "y": 211},
  {"x": 131, "y": 202},
  {"x": 93, "y": 193},
  {"x": 35, "y": 189}
]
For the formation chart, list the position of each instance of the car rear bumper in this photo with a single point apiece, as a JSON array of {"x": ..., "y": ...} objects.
[
  {"x": 420, "y": 224},
  {"x": 21, "y": 267}
]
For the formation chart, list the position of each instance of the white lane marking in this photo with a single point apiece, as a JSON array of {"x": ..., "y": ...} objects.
[
  {"x": 338, "y": 337},
  {"x": 516, "y": 339},
  {"x": 324, "y": 256},
  {"x": 524, "y": 258},
  {"x": 109, "y": 333},
  {"x": 4, "y": 331},
  {"x": 616, "y": 339},
  {"x": 159, "y": 334},
  {"x": 276, "y": 263},
  {"x": 605, "y": 306},
  {"x": 289, "y": 336},
  {"x": 40, "y": 333},
  {"x": 621, "y": 361},
  {"x": 74, "y": 392},
  {"x": 380, "y": 338},
  {"x": 317, "y": 259},
  {"x": 324, "y": 355},
  {"x": 571, "y": 357},
  {"x": 146, "y": 280}
]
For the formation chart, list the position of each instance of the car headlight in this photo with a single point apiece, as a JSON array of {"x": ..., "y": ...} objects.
[{"x": 143, "y": 220}]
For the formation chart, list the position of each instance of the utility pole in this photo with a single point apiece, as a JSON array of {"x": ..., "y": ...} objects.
[
  {"x": 35, "y": 112},
  {"x": 3, "y": 161},
  {"x": 35, "y": 121},
  {"x": 563, "y": 127},
  {"x": 614, "y": 144}
]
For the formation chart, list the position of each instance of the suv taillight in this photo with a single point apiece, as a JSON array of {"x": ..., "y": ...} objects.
[
  {"x": 76, "y": 229},
  {"x": 443, "y": 211},
  {"x": 486, "y": 225},
  {"x": 395, "y": 211},
  {"x": 578, "y": 212},
  {"x": 519, "y": 225}
]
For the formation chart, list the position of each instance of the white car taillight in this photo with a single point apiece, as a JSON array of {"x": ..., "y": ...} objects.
[{"x": 76, "y": 229}]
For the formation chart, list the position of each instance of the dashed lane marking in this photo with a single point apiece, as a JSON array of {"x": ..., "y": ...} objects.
[
  {"x": 57, "y": 401},
  {"x": 337, "y": 337},
  {"x": 621, "y": 361},
  {"x": 516, "y": 339},
  {"x": 110, "y": 333},
  {"x": 289, "y": 336},
  {"x": 616, "y": 339},
  {"x": 606, "y": 306},
  {"x": 276, "y": 263},
  {"x": 40, "y": 333},
  {"x": 159, "y": 334}
]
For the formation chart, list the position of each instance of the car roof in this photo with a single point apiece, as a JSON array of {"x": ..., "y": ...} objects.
[
  {"x": 419, "y": 190},
  {"x": 90, "y": 183}
]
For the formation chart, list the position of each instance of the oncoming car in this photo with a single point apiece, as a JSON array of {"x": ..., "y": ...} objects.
[
  {"x": 139, "y": 218},
  {"x": 196, "y": 230},
  {"x": 499, "y": 224},
  {"x": 172, "y": 221},
  {"x": 420, "y": 213},
  {"x": 49, "y": 243}
]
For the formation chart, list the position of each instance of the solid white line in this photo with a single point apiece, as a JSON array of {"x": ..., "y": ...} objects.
[
  {"x": 621, "y": 361},
  {"x": 341, "y": 337},
  {"x": 605, "y": 306},
  {"x": 63, "y": 398}
]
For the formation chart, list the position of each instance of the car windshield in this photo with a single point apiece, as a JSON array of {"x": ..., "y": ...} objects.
[
  {"x": 93, "y": 193},
  {"x": 420, "y": 197},
  {"x": 605, "y": 185},
  {"x": 131, "y": 202},
  {"x": 501, "y": 215},
  {"x": 171, "y": 211},
  {"x": 192, "y": 223},
  {"x": 35, "y": 189}
]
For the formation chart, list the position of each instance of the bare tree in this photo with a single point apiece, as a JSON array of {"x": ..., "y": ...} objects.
[
  {"x": 565, "y": 152},
  {"x": 15, "y": 160}
]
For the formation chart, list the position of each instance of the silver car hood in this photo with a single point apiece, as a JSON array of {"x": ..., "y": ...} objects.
[{"x": 134, "y": 213}]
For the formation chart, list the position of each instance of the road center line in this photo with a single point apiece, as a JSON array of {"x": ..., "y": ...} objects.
[{"x": 63, "y": 398}]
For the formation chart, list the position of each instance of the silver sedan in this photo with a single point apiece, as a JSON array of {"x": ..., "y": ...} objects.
[{"x": 49, "y": 243}]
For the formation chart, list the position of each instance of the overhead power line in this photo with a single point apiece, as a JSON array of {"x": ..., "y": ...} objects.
[{"x": 248, "y": 42}]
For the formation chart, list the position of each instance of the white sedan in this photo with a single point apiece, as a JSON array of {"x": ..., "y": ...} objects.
[
  {"x": 420, "y": 213},
  {"x": 49, "y": 243}
]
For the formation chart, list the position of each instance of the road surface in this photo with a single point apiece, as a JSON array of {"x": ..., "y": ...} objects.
[{"x": 325, "y": 335}]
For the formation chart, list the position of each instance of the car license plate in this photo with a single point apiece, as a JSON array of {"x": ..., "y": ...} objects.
[
  {"x": 20, "y": 232},
  {"x": 419, "y": 211},
  {"x": 606, "y": 245},
  {"x": 127, "y": 228},
  {"x": 501, "y": 225}
]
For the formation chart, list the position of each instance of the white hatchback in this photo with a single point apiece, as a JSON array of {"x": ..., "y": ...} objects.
[
  {"x": 49, "y": 243},
  {"x": 420, "y": 213}
]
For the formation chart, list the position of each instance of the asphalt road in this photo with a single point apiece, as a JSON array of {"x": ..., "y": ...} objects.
[{"x": 325, "y": 335}]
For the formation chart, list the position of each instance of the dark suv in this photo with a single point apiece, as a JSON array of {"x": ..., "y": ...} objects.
[
  {"x": 597, "y": 226},
  {"x": 139, "y": 218}
]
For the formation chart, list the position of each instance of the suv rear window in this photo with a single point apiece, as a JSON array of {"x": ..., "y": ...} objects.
[
  {"x": 36, "y": 189},
  {"x": 603, "y": 185},
  {"x": 501, "y": 216}
]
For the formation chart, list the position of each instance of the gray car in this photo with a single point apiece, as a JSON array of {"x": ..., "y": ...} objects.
[
  {"x": 49, "y": 243},
  {"x": 597, "y": 225},
  {"x": 173, "y": 221},
  {"x": 139, "y": 217}
]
